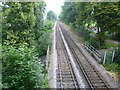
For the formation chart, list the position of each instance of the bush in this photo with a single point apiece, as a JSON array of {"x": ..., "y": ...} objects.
[
  {"x": 48, "y": 24},
  {"x": 21, "y": 69},
  {"x": 43, "y": 37},
  {"x": 83, "y": 33},
  {"x": 115, "y": 67},
  {"x": 94, "y": 42},
  {"x": 86, "y": 34},
  {"x": 43, "y": 43}
]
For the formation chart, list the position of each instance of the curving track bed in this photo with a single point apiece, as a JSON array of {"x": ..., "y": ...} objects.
[{"x": 66, "y": 77}]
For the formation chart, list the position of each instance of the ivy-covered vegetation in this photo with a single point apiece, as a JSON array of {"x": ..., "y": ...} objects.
[{"x": 26, "y": 36}]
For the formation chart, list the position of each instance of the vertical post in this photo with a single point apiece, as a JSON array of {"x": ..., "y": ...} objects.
[
  {"x": 47, "y": 58},
  {"x": 113, "y": 55},
  {"x": 86, "y": 45},
  {"x": 104, "y": 58}
]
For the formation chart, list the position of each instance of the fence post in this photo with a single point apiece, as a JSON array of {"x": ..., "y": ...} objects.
[
  {"x": 104, "y": 58},
  {"x": 47, "y": 58},
  {"x": 113, "y": 55}
]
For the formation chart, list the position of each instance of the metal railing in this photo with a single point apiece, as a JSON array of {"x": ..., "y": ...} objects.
[{"x": 95, "y": 53}]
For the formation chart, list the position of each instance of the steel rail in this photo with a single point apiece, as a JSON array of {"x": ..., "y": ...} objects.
[
  {"x": 68, "y": 64},
  {"x": 81, "y": 66}
]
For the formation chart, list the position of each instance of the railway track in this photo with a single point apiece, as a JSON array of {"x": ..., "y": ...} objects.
[
  {"x": 65, "y": 74},
  {"x": 91, "y": 74}
]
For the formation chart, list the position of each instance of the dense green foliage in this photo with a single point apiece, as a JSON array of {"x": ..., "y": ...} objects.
[
  {"x": 21, "y": 69},
  {"x": 113, "y": 67},
  {"x": 51, "y": 16},
  {"x": 107, "y": 16},
  {"x": 44, "y": 40},
  {"x": 18, "y": 23},
  {"x": 104, "y": 16},
  {"x": 68, "y": 12},
  {"x": 25, "y": 38},
  {"x": 95, "y": 22}
]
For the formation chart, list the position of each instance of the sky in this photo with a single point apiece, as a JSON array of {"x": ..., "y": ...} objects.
[{"x": 54, "y": 5}]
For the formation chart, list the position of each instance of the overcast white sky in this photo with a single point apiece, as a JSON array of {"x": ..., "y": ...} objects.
[{"x": 54, "y": 5}]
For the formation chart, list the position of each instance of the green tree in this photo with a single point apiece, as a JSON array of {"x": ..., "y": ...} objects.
[
  {"x": 39, "y": 9},
  {"x": 18, "y": 23},
  {"x": 104, "y": 15},
  {"x": 51, "y": 16},
  {"x": 68, "y": 13},
  {"x": 107, "y": 18},
  {"x": 21, "y": 23}
]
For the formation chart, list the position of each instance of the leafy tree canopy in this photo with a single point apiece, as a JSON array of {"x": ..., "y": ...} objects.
[{"x": 51, "y": 16}]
